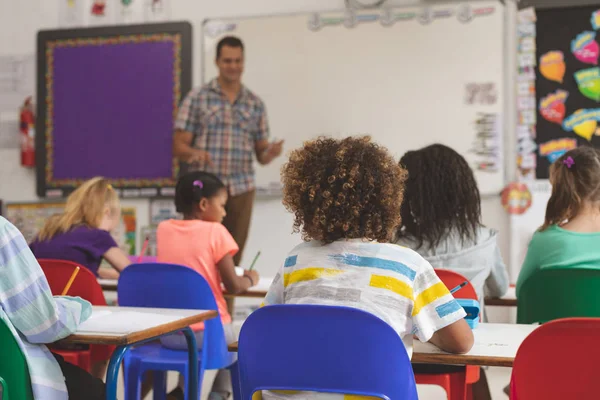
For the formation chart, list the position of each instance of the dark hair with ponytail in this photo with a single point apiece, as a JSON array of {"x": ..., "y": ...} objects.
[
  {"x": 575, "y": 178},
  {"x": 194, "y": 186}
]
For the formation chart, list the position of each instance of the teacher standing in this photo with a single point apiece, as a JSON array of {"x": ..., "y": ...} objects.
[{"x": 219, "y": 128}]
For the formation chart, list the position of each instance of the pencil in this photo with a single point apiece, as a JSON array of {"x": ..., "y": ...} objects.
[
  {"x": 66, "y": 289},
  {"x": 254, "y": 262},
  {"x": 462, "y": 285},
  {"x": 144, "y": 248}
]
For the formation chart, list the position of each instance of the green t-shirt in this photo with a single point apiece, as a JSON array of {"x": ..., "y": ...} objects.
[{"x": 559, "y": 248}]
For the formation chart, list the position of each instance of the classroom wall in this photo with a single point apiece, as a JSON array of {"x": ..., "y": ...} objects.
[{"x": 271, "y": 224}]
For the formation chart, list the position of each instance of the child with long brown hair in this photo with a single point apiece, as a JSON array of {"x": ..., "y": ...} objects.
[
  {"x": 570, "y": 235},
  {"x": 82, "y": 232}
]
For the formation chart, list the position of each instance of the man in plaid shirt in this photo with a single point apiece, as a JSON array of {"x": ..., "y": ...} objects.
[{"x": 219, "y": 129}]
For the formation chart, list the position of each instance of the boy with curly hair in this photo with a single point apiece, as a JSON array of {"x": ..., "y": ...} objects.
[{"x": 345, "y": 196}]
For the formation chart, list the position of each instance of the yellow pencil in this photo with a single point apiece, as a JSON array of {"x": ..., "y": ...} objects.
[{"x": 66, "y": 289}]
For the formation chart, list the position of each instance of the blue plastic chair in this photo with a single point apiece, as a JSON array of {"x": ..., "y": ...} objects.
[
  {"x": 323, "y": 349},
  {"x": 161, "y": 285}
]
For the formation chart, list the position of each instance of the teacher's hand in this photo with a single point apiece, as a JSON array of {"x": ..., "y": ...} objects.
[
  {"x": 274, "y": 150},
  {"x": 200, "y": 156}
]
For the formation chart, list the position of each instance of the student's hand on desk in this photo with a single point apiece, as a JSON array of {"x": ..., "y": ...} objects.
[
  {"x": 200, "y": 156},
  {"x": 253, "y": 275}
]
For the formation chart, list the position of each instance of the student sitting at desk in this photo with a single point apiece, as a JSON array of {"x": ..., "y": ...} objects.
[
  {"x": 345, "y": 196},
  {"x": 441, "y": 219},
  {"x": 36, "y": 318},
  {"x": 570, "y": 236},
  {"x": 202, "y": 243},
  {"x": 82, "y": 232}
]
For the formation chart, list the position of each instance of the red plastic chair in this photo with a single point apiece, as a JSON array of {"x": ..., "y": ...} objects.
[
  {"x": 456, "y": 384},
  {"x": 558, "y": 360},
  {"x": 85, "y": 286}
]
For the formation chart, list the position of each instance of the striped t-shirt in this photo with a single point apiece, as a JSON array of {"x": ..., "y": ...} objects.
[{"x": 392, "y": 282}]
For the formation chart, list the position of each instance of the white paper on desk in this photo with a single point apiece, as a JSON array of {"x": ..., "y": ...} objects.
[{"x": 123, "y": 322}]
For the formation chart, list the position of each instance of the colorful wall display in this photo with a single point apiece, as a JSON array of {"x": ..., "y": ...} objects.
[{"x": 567, "y": 82}]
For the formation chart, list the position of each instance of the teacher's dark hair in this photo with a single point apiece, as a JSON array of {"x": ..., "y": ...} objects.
[
  {"x": 229, "y": 41},
  {"x": 441, "y": 196},
  {"x": 193, "y": 187}
]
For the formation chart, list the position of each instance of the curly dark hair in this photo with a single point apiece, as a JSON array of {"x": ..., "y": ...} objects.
[
  {"x": 343, "y": 189},
  {"x": 441, "y": 196}
]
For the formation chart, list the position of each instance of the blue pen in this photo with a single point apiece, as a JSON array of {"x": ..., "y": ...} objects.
[{"x": 462, "y": 285}]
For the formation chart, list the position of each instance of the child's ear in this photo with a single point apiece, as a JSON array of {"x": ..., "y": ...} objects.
[{"x": 203, "y": 204}]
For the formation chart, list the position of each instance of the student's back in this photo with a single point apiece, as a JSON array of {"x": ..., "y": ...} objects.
[
  {"x": 441, "y": 219},
  {"x": 82, "y": 232},
  {"x": 345, "y": 196},
  {"x": 477, "y": 259},
  {"x": 570, "y": 236},
  {"x": 82, "y": 244}
]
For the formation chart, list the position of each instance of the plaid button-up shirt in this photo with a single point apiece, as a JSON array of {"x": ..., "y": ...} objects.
[{"x": 228, "y": 132}]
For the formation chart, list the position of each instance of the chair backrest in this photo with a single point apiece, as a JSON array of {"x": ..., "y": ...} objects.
[
  {"x": 559, "y": 293},
  {"x": 558, "y": 361},
  {"x": 13, "y": 366},
  {"x": 160, "y": 285},
  {"x": 85, "y": 284},
  {"x": 452, "y": 279},
  {"x": 323, "y": 349}
]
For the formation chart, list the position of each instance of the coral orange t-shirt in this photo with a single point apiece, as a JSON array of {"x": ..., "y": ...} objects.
[{"x": 199, "y": 245}]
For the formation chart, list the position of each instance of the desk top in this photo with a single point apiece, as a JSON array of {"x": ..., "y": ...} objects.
[
  {"x": 508, "y": 300},
  {"x": 127, "y": 325},
  {"x": 495, "y": 345},
  {"x": 258, "y": 291}
]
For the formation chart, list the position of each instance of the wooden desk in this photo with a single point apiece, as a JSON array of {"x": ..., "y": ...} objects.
[
  {"x": 126, "y": 326},
  {"x": 495, "y": 345},
  {"x": 508, "y": 300},
  {"x": 258, "y": 291}
]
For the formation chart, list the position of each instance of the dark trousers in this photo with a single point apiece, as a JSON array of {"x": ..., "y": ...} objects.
[
  {"x": 80, "y": 384},
  {"x": 237, "y": 222}
]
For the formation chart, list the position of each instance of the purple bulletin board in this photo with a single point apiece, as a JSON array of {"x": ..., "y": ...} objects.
[{"x": 106, "y": 103}]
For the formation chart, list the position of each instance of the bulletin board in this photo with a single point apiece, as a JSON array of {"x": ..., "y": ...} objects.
[
  {"x": 567, "y": 82},
  {"x": 106, "y": 103}
]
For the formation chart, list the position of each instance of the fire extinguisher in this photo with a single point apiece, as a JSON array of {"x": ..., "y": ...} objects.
[{"x": 27, "y": 129}]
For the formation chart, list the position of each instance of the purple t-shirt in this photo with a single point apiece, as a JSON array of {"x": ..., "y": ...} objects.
[{"x": 82, "y": 245}]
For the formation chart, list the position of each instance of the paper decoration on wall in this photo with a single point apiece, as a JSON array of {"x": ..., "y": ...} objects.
[
  {"x": 556, "y": 148},
  {"x": 552, "y": 66},
  {"x": 552, "y": 107},
  {"x": 487, "y": 143},
  {"x": 516, "y": 198},
  {"x": 596, "y": 20},
  {"x": 481, "y": 93},
  {"x": 98, "y": 7},
  {"x": 585, "y": 48},
  {"x": 588, "y": 81},
  {"x": 583, "y": 122}
]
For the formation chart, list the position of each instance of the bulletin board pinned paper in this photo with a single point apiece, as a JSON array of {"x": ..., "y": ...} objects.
[{"x": 567, "y": 82}]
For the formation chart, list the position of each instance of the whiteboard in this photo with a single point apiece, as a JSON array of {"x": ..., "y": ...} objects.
[{"x": 404, "y": 83}]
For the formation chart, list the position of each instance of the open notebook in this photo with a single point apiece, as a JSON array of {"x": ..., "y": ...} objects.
[{"x": 123, "y": 322}]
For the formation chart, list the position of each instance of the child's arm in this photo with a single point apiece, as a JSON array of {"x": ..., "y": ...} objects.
[
  {"x": 116, "y": 258},
  {"x": 233, "y": 283},
  {"x": 26, "y": 297},
  {"x": 455, "y": 338},
  {"x": 436, "y": 315},
  {"x": 496, "y": 284}
]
